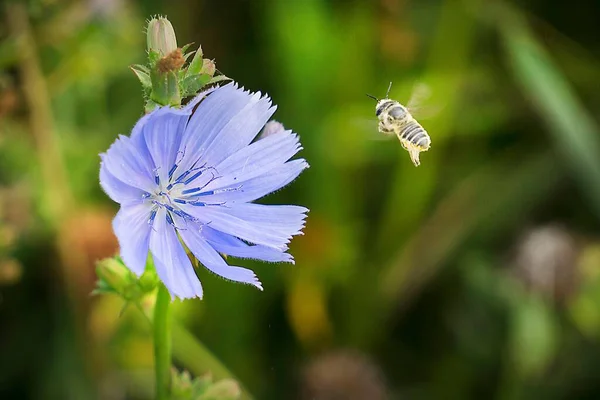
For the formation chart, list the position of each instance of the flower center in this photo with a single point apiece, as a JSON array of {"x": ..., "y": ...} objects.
[{"x": 186, "y": 188}]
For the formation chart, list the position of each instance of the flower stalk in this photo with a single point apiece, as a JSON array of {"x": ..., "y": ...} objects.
[{"x": 162, "y": 343}]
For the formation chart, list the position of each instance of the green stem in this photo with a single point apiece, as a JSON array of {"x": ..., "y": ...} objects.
[
  {"x": 199, "y": 360},
  {"x": 192, "y": 353},
  {"x": 162, "y": 343}
]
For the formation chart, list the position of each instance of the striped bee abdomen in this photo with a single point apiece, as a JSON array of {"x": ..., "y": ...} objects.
[{"x": 415, "y": 134}]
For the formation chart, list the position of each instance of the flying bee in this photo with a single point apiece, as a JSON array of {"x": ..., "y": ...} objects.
[{"x": 394, "y": 118}]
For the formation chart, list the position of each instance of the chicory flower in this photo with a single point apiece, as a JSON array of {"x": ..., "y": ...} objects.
[{"x": 190, "y": 177}]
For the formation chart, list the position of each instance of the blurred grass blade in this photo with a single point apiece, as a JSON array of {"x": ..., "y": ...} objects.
[
  {"x": 572, "y": 127},
  {"x": 491, "y": 199}
]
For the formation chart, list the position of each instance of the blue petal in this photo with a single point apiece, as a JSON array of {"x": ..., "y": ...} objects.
[
  {"x": 259, "y": 158},
  {"x": 136, "y": 132},
  {"x": 220, "y": 219},
  {"x": 232, "y": 246},
  {"x": 172, "y": 263},
  {"x": 129, "y": 165},
  {"x": 118, "y": 191},
  {"x": 254, "y": 188},
  {"x": 133, "y": 232},
  {"x": 285, "y": 220},
  {"x": 213, "y": 261},
  {"x": 163, "y": 136},
  {"x": 162, "y": 132},
  {"x": 224, "y": 122},
  {"x": 210, "y": 117},
  {"x": 189, "y": 107},
  {"x": 241, "y": 129}
]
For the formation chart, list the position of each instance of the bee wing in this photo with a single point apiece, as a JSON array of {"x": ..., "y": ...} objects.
[
  {"x": 420, "y": 93},
  {"x": 425, "y": 112},
  {"x": 369, "y": 126}
]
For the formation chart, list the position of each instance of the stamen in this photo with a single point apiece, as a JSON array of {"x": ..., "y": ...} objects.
[
  {"x": 152, "y": 216},
  {"x": 202, "y": 204},
  {"x": 156, "y": 177},
  {"x": 188, "y": 191},
  {"x": 172, "y": 170},
  {"x": 182, "y": 176},
  {"x": 197, "y": 174}
]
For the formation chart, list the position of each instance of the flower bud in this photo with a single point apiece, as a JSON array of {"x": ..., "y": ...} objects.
[
  {"x": 113, "y": 276},
  {"x": 208, "y": 67},
  {"x": 161, "y": 36},
  {"x": 271, "y": 128}
]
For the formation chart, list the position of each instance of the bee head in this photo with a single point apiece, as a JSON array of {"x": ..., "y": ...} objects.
[{"x": 381, "y": 103}]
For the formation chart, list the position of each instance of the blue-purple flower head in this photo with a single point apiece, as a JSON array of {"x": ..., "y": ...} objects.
[{"x": 192, "y": 176}]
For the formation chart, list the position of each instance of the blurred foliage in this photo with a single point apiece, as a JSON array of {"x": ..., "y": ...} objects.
[
  {"x": 186, "y": 388},
  {"x": 451, "y": 279}
]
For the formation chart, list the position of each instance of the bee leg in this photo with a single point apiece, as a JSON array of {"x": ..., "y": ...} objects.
[
  {"x": 382, "y": 128},
  {"x": 414, "y": 156}
]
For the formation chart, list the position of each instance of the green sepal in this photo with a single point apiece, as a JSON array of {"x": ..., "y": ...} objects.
[
  {"x": 218, "y": 78},
  {"x": 192, "y": 84},
  {"x": 185, "y": 48},
  {"x": 143, "y": 74},
  {"x": 153, "y": 57},
  {"x": 103, "y": 287},
  {"x": 150, "y": 106},
  {"x": 115, "y": 278},
  {"x": 165, "y": 88},
  {"x": 188, "y": 55},
  {"x": 196, "y": 64},
  {"x": 112, "y": 276}
]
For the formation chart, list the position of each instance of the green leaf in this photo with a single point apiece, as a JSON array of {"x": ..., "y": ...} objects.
[{"x": 196, "y": 64}]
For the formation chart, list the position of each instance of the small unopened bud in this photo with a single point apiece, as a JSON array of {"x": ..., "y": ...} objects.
[
  {"x": 271, "y": 128},
  {"x": 113, "y": 275},
  {"x": 208, "y": 67},
  {"x": 161, "y": 36}
]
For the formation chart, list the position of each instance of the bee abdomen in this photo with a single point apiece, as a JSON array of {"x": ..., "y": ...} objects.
[{"x": 415, "y": 134}]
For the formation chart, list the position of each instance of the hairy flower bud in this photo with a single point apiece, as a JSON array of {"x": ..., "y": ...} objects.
[{"x": 161, "y": 36}]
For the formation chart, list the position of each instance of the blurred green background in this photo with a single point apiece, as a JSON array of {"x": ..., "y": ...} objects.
[{"x": 475, "y": 275}]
